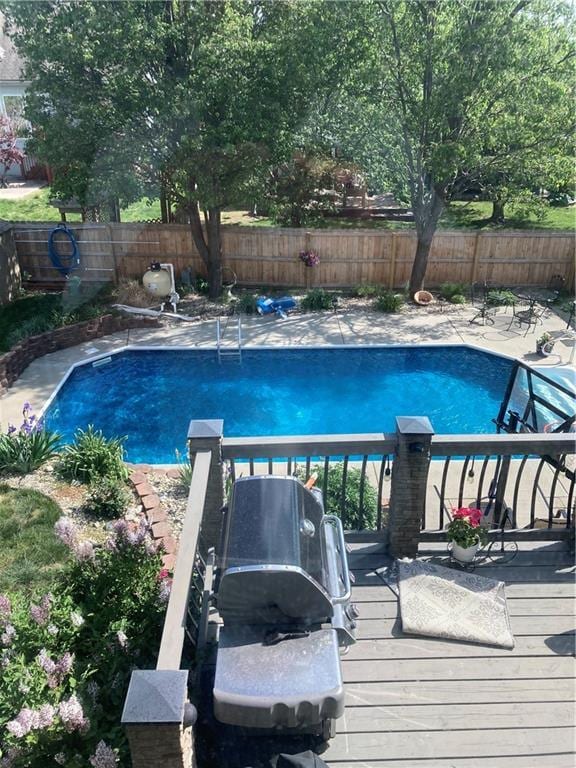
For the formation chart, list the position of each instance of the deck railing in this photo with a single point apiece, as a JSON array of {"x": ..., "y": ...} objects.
[
  {"x": 520, "y": 481},
  {"x": 184, "y": 605},
  {"x": 370, "y": 455},
  {"x": 525, "y": 481},
  {"x": 158, "y": 715}
]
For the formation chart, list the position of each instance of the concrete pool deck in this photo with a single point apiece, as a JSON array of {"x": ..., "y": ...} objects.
[{"x": 415, "y": 325}]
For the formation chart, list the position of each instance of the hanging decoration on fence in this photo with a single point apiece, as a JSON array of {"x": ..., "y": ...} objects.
[{"x": 310, "y": 258}]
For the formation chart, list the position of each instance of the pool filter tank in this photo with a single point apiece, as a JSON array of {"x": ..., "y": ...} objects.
[{"x": 159, "y": 281}]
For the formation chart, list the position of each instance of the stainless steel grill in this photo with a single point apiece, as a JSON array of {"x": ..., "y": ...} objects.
[{"x": 283, "y": 593}]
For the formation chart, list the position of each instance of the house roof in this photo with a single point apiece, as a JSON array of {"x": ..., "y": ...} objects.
[{"x": 11, "y": 65}]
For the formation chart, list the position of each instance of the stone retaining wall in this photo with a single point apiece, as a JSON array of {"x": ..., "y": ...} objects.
[{"x": 13, "y": 363}]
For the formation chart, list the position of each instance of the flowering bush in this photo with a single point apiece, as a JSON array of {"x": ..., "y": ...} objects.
[
  {"x": 26, "y": 448},
  {"x": 310, "y": 258},
  {"x": 66, "y": 656},
  {"x": 464, "y": 528}
]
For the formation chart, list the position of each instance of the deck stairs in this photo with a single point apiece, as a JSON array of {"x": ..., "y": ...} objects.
[{"x": 229, "y": 352}]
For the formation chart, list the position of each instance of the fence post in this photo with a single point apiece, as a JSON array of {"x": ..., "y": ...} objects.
[
  {"x": 206, "y": 435},
  {"x": 408, "y": 486},
  {"x": 392, "y": 275},
  {"x": 158, "y": 719}
]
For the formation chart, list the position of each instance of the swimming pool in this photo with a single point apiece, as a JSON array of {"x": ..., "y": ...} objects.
[{"x": 151, "y": 395}]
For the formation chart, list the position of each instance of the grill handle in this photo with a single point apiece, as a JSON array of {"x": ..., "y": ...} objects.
[{"x": 337, "y": 523}]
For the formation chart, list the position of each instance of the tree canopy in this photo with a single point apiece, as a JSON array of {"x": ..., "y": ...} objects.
[
  {"x": 201, "y": 100},
  {"x": 453, "y": 93}
]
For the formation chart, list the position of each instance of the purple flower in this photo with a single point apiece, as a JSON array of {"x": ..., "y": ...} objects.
[
  {"x": 72, "y": 715},
  {"x": 46, "y": 716},
  {"x": 11, "y": 429},
  {"x": 41, "y": 613},
  {"x": 45, "y": 662},
  {"x": 66, "y": 531},
  {"x": 5, "y": 607},
  {"x": 26, "y": 721},
  {"x": 84, "y": 550},
  {"x": 56, "y": 671},
  {"x": 8, "y": 635},
  {"x": 104, "y": 757},
  {"x": 124, "y": 534},
  {"x": 11, "y": 754}
]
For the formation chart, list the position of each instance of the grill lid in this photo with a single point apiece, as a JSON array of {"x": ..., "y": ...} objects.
[{"x": 272, "y": 563}]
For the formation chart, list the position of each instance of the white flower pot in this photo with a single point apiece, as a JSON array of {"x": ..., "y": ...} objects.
[{"x": 464, "y": 554}]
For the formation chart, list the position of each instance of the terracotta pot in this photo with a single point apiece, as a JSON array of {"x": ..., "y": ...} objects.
[{"x": 464, "y": 554}]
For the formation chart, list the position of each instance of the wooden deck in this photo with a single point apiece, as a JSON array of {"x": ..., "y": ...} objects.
[{"x": 424, "y": 703}]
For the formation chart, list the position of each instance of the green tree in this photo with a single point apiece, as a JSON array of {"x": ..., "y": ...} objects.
[
  {"x": 452, "y": 91},
  {"x": 196, "y": 99}
]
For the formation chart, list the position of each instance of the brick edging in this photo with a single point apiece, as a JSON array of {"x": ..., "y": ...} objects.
[
  {"x": 14, "y": 362},
  {"x": 142, "y": 479}
]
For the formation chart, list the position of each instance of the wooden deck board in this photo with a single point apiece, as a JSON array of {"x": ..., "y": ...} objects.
[
  {"x": 444, "y": 743},
  {"x": 417, "y": 702},
  {"x": 429, "y": 648}
]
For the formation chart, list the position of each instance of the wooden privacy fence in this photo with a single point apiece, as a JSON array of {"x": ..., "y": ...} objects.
[{"x": 269, "y": 257}]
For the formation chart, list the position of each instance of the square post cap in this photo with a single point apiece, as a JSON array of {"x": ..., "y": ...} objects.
[
  {"x": 156, "y": 697},
  {"x": 205, "y": 428},
  {"x": 414, "y": 425}
]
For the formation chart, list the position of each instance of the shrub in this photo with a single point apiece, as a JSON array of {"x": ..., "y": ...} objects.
[
  {"x": 448, "y": 290},
  {"x": 500, "y": 298},
  {"x": 33, "y": 327},
  {"x": 317, "y": 299},
  {"x": 201, "y": 285},
  {"x": 24, "y": 450},
  {"x": 457, "y": 299},
  {"x": 92, "y": 456},
  {"x": 107, "y": 497},
  {"x": 67, "y": 655},
  {"x": 184, "y": 471},
  {"x": 389, "y": 302},
  {"x": 367, "y": 291},
  {"x": 132, "y": 293},
  {"x": 353, "y": 518},
  {"x": 246, "y": 303}
]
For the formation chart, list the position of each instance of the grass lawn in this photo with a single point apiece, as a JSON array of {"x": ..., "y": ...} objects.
[
  {"x": 30, "y": 553},
  {"x": 37, "y": 208},
  {"x": 460, "y": 215}
]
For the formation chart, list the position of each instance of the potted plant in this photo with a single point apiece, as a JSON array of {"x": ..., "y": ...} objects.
[
  {"x": 465, "y": 533},
  {"x": 541, "y": 341}
]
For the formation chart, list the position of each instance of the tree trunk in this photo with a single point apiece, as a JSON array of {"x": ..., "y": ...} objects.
[
  {"x": 215, "y": 251},
  {"x": 420, "y": 265},
  {"x": 497, "y": 212},
  {"x": 198, "y": 234},
  {"x": 426, "y": 220},
  {"x": 165, "y": 216}
]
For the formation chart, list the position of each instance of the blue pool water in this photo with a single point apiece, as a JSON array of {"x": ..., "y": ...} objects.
[{"x": 150, "y": 396}]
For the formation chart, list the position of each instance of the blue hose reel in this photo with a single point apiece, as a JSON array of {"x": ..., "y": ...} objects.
[{"x": 68, "y": 262}]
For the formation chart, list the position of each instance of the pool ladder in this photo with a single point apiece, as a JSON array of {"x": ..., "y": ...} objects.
[{"x": 229, "y": 353}]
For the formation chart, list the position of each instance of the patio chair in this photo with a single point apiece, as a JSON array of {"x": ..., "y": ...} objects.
[
  {"x": 530, "y": 317},
  {"x": 484, "y": 311}
]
